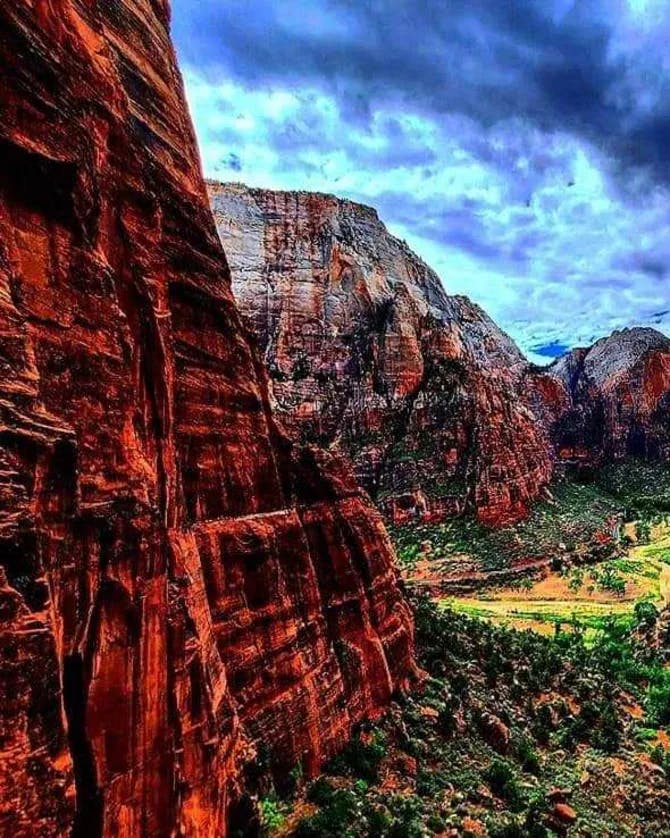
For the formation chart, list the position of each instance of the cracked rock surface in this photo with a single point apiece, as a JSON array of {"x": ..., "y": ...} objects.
[
  {"x": 181, "y": 585},
  {"x": 368, "y": 354}
]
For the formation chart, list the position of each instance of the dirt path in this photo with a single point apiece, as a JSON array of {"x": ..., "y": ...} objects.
[
  {"x": 552, "y": 599},
  {"x": 665, "y": 584}
]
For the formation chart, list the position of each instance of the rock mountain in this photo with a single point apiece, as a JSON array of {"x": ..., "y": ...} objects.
[
  {"x": 611, "y": 400},
  {"x": 186, "y": 593},
  {"x": 366, "y": 352},
  {"x": 181, "y": 588},
  {"x": 435, "y": 406}
]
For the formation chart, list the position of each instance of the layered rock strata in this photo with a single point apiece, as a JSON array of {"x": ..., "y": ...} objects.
[
  {"x": 367, "y": 353},
  {"x": 181, "y": 586},
  {"x": 609, "y": 401}
]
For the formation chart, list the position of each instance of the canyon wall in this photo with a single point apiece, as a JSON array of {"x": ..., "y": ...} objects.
[
  {"x": 434, "y": 405},
  {"x": 368, "y": 354},
  {"x": 181, "y": 587},
  {"x": 609, "y": 401}
]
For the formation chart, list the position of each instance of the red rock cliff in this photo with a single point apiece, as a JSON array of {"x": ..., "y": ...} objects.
[
  {"x": 179, "y": 584},
  {"x": 367, "y": 352},
  {"x": 611, "y": 400}
]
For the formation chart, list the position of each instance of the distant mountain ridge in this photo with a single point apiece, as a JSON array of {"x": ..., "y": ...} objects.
[
  {"x": 613, "y": 398},
  {"x": 437, "y": 408},
  {"x": 366, "y": 351}
]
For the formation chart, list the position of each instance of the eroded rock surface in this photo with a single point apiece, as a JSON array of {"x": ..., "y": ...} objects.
[
  {"x": 180, "y": 585},
  {"x": 366, "y": 352},
  {"x": 610, "y": 401}
]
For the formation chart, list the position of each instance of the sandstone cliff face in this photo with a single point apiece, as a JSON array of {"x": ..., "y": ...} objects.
[
  {"x": 366, "y": 352},
  {"x": 611, "y": 400},
  {"x": 180, "y": 585}
]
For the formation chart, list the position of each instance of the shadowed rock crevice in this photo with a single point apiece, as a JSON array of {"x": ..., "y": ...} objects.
[{"x": 89, "y": 812}]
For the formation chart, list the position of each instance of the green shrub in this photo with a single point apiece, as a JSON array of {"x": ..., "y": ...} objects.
[
  {"x": 535, "y": 817},
  {"x": 658, "y": 698},
  {"x": 646, "y": 614},
  {"x": 360, "y": 787},
  {"x": 576, "y": 580},
  {"x": 436, "y": 824},
  {"x": 406, "y": 823},
  {"x": 361, "y": 758},
  {"x": 270, "y": 815},
  {"x": 527, "y": 755},
  {"x": 378, "y": 821},
  {"x": 504, "y": 784},
  {"x": 431, "y": 783},
  {"x": 661, "y": 757},
  {"x": 643, "y": 532},
  {"x": 333, "y": 821},
  {"x": 543, "y": 724},
  {"x": 509, "y": 828},
  {"x": 320, "y": 791},
  {"x": 446, "y": 721}
]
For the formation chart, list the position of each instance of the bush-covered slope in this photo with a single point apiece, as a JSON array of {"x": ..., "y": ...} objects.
[{"x": 513, "y": 735}]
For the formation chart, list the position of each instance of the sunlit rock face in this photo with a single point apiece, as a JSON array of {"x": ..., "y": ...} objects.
[
  {"x": 612, "y": 400},
  {"x": 367, "y": 353},
  {"x": 180, "y": 585}
]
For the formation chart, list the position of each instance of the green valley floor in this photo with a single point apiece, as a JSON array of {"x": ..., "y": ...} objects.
[
  {"x": 583, "y": 595},
  {"x": 512, "y": 734},
  {"x": 545, "y": 704}
]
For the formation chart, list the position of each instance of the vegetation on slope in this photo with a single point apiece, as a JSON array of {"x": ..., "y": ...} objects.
[
  {"x": 579, "y": 522},
  {"x": 577, "y": 517},
  {"x": 513, "y": 734}
]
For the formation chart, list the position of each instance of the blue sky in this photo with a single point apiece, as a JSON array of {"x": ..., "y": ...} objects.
[{"x": 521, "y": 147}]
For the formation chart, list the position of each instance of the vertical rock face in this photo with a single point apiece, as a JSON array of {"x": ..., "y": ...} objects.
[
  {"x": 180, "y": 585},
  {"x": 366, "y": 352},
  {"x": 610, "y": 401}
]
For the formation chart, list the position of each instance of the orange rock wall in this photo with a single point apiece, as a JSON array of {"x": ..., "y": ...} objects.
[
  {"x": 611, "y": 400},
  {"x": 180, "y": 585},
  {"x": 367, "y": 353}
]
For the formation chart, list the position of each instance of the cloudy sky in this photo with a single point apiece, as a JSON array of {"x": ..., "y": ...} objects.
[{"x": 521, "y": 147}]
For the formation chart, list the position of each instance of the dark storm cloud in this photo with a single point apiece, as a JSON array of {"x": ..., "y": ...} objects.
[
  {"x": 308, "y": 131},
  {"x": 521, "y": 146},
  {"x": 484, "y": 58}
]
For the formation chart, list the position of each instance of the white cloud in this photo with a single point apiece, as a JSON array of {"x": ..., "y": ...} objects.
[{"x": 530, "y": 222}]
